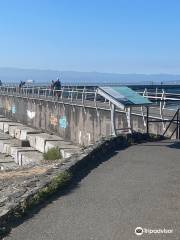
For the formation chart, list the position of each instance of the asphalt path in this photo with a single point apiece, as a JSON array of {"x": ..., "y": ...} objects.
[{"x": 136, "y": 187}]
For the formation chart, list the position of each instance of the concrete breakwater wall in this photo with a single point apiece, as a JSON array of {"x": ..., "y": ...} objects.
[{"x": 81, "y": 125}]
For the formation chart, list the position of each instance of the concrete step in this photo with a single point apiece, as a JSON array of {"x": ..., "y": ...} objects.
[
  {"x": 8, "y": 166},
  {"x": 5, "y": 145},
  {"x": 16, "y": 152},
  {"x": 38, "y": 141},
  {"x": 29, "y": 157},
  {"x": 7, "y": 125},
  {"x": 66, "y": 153},
  {"x": 4, "y": 136},
  {"x": 25, "y": 131},
  {"x": 4, "y": 119},
  {"x": 2, "y": 122},
  {"x": 43, "y": 142},
  {"x": 67, "y": 149},
  {"x": 21, "y": 131},
  {"x": 7, "y": 163}
]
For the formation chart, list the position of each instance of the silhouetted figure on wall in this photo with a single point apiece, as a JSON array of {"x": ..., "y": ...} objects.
[
  {"x": 21, "y": 84},
  {"x": 52, "y": 85},
  {"x": 58, "y": 84}
]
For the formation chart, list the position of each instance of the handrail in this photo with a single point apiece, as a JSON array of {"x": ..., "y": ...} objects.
[
  {"x": 177, "y": 128},
  {"x": 80, "y": 96}
]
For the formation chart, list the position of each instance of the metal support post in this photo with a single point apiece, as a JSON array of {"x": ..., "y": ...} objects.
[
  {"x": 147, "y": 120},
  {"x": 113, "y": 128}
]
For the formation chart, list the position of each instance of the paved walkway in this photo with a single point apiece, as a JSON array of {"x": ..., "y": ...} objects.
[{"x": 139, "y": 186}]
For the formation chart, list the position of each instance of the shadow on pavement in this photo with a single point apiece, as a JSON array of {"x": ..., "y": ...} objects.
[
  {"x": 170, "y": 144},
  {"x": 175, "y": 145},
  {"x": 78, "y": 174}
]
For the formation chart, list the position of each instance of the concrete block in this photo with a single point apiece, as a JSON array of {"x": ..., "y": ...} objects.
[
  {"x": 8, "y": 124},
  {"x": 5, "y": 145},
  {"x": 27, "y": 158},
  {"x": 66, "y": 148},
  {"x": 13, "y": 130},
  {"x": 2, "y": 124},
  {"x": 2, "y": 142},
  {"x": 15, "y": 152},
  {"x": 42, "y": 138},
  {"x": 60, "y": 145},
  {"x": 21, "y": 151},
  {"x": 26, "y": 131},
  {"x": 20, "y": 131},
  {"x": 4, "y": 119},
  {"x": 66, "y": 154},
  {"x": 17, "y": 132},
  {"x": 6, "y": 148},
  {"x": 4, "y": 136},
  {"x": 32, "y": 140},
  {"x": 52, "y": 144},
  {"x": 8, "y": 165}
]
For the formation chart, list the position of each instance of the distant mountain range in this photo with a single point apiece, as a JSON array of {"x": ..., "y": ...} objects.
[{"x": 13, "y": 75}]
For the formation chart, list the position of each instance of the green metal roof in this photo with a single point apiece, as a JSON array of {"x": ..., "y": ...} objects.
[{"x": 125, "y": 96}]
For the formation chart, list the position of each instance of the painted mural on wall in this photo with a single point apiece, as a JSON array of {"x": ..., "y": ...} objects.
[
  {"x": 13, "y": 109},
  {"x": 53, "y": 120},
  {"x": 63, "y": 122},
  {"x": 8, "y": 106},
  {"x": 31, "y": 114}
]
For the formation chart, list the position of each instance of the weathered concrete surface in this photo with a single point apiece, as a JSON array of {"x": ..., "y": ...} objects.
[
  {"x": 80, "y": 125},
  {"x": 66, "y": 153},
  {"x": 18, "y": 187},
  {"x": 38, "y": 141},
  {"x": 7, "y": 162},
  {"x": 5, "y": 145},
  {"x": 138, "y": 186},
  {"x": 20, "y": 131},
  {"x": 7, "y": 125},
  {"x": 41, "y": 140},
  {"x": 29, "y": 157},
  {"x": 27, "y": 130},
  {"x": 4, "y": 122},
  {"x": 17, "y": 153},
  {"x": 23, "y": 142},
  {"x": 66, "y": 148}
]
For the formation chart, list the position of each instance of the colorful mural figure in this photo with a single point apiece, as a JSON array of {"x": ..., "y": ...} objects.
[
  {"x": 8, "y": 106},
  {"x": 13, "y": 109},
  {"x": 53, "y": 120},
  {"x": 31, "y": 114},
  {"x": 63, "y": 122}
]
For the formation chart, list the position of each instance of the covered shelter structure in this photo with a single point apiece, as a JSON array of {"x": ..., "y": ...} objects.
[{"x": 124, "y": 98}]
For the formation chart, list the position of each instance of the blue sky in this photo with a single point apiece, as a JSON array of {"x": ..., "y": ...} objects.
[{"x": 123, "y": 36}]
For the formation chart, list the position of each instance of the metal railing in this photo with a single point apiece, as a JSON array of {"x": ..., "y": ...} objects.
[
  {"x": 160, "y": 96},
  {"x": 175, "y": 120},
  {"x": 90, "y": 98},
  {"x": 76, "y": 96}
]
